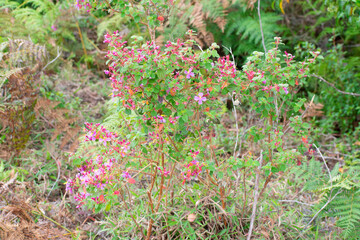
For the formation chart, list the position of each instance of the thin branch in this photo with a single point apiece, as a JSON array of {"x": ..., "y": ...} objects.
[
  {"x": 351, "y": 46},
  {"x": 330, "y": 199},
  {"x": 232, "y": 55},
  {"x": 5, "y": 187},
  {"x": 303, "y": 114},
  {"x": 256, "y": 196},
  {"x": 58, "y": 55},
  {"x": 234, "y": 109},
  {"x": 58, "y": 164},
  {"x": 237, "y": 126},
  {"x": 261, "y": 28},
  {"x": 333, "y": 86},
  {"x": 327, "y": 168},
  {"x": 40, "y": 212},
  {"x": 295, "y": 201},
  {"x": 338, "y": 192}
]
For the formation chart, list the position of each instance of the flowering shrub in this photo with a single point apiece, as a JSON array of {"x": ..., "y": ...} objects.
[{"x": 172, "y": 97}]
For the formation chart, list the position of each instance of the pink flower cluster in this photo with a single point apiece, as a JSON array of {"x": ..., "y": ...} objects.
[
  {"x": 161, "y": 119},
  {"x": 276, "y": 87},
  {"x": 153, "y": 136},
  {"x": 173, "y": 120},
  {"x": 288, "y": 58},
  {"x": 130, "y": 86},
  {"x": 251, "y": 74},
  {"x": 164, "y": 172},
  {"x": 96, "y": 172},
  {"x": 193, "y": 169},
  {"x": 81, "y": 198},
  {"x": 101, "y": 135},
  {"x": 226, "y": 68},
  {"x": 83, "y": 4}
]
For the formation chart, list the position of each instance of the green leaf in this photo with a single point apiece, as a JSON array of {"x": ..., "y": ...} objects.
[
  {"x": 108, "y": 207},
  {"x": 167, "y": 111}
]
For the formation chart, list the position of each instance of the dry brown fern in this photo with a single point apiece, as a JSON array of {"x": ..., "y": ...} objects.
[
  {"x": 16, "y": 114},
  {"x": 197, "y": 19},
  {"x": 313, "y": 110},
  {"x": 16, "y": 223},
  {"x": 21, "y": 61},
  {"x": 61, "y": 120}
]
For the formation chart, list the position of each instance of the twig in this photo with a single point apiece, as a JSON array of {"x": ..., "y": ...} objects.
[
  {"x": 261, "y": 28},
  {"x": 327, "y": 168},
  {"x": 237, "y": 126},
  {"x": 338, "y": 192},
  {"x": 232, "y": 55},
  {"x": 58, "y": 176},
  {"x": 333, "y": 86},
  {"x": 295, "y": 201},
  {"x": 256, "y": 196},
  {"x": 351, "y": 46},
  {"x": 44, "y": 216},
  {"x": 6, "y": 185},
  {"x": 234, "y": 109},
  {"x": 330, "y": 199},
  {"x": 58, "y": 55},
  {"x": 221, "y": 208},
  {"x": 268, "y": 179},
  {"x": 312, "y": 99}
]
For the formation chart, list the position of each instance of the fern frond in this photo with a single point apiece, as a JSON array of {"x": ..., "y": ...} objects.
[
  {"x": 311, "y": 175},
  {"x": 23, "y": 52},
  {"x": 6, "y": 74},
  {"x": 42, "y": 6},
  {"x": 213, "y": 9},
  {"x": 346, "y": 206},
  {"x": 108, "y": 24},
  {"x": 247, "y": 29},
  {"x": 8, "y": 4},
  {"x": 195, "y": 14}
]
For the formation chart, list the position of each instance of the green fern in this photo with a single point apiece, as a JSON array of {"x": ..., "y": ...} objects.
[
  {"x": 213, "y": 8},
  {"x": 346, "y": 186},
  {"x": 243, "y": 31},
  {"x": 124, "y": 24},
  {"x": 346, "y": 206},
  {"x": 310, "y": 175},
  {"x": 42, "y": 13}
]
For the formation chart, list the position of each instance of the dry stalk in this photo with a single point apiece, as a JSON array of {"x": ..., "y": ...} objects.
[{"x": 256, "y": 196}]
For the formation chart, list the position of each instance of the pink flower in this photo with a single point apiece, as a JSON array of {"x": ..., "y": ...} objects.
[
  {"x": 161, "y": 119},
  {"x": 250, "y": 75},
  {"x": 194, "y": 154},
  {"x": 126, "y": 175},
  {"x": 189, "y": 74},
  {"x": 164, "y": 172},
  {"x": 285, "y": 90},
  {"x": 199, "y": 98},
  {"x": 54, "y": 28}
]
